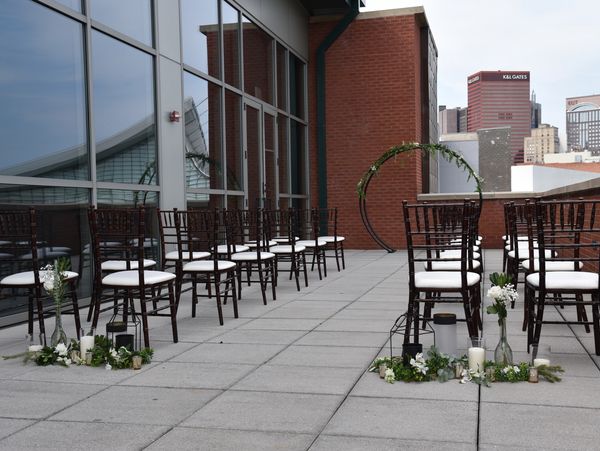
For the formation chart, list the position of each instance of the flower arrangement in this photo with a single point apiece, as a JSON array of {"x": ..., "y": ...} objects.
[
  {"x": 502, "y": 293},
  {"x": 53, "y": 278},
  {"x": 441, "y": 367},
  {"x": 103, "y": 354}
]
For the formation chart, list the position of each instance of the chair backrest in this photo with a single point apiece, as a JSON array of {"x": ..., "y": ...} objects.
[
  {"x": 328, "y": 221},
  {"x": 118, "y": 234},
  {"x": 167, "y": 228},
  {"x": 515, "y": 217},
  {"x": 432, "y": 229},
  {"x": 19, "y": 243},
  {"x": 202, "y": 229},
  {"x": 564, "y": 231}
]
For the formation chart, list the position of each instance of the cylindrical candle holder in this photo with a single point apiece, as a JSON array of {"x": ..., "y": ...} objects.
[
  {"x": 88, "y": 358},
  {"x": 136, "y": 362},
  {"x": 86, "y": 344},
  {"x": 382, "y": 369},
  {"x": 444, "y": 325},
  {"x": 458, "y": 370},
  {"x": 476, "y": 353},
  {"x": 540, "y": 355},
  {"x": 533, "y": 375}
]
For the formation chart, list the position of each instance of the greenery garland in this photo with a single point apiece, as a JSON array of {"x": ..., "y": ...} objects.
[{"x": 447, "y": 153}]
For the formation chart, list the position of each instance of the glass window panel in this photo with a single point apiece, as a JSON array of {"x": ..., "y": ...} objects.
[
  {"x": 298, "y": 157},
  {"x": 73, "y": 4},
  {"x": 270, "y": 162},
  {"x": 258, "y": 62},
  {"x": 42, "y": 87},
  {"x": 124, "y": 119},
  {"x": 205, "y": 201},
  {"x": 253, "y": 158},
  {"x": 200, "y": 35},
  {"x": 233, "y": 141},
  {"x": 235, "y": 202},
  {"x": 283, "y": 155},
  {"x": 131, "y": 17},
  {"x": 281, "y": 78},
  {"x": 62, "y": 230},
  {"x": 202, "y": 111},
  {"x": 231, "y": 46},
  {"x": 297, "y": 89}
]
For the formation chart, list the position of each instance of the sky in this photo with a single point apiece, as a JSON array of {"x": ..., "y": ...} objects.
[{"x": 558, "y": 41}]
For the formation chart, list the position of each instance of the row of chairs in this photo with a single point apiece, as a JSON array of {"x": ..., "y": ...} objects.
[
  {"x": 553, "y": 248},
  {"x": 210, "y": 248}
]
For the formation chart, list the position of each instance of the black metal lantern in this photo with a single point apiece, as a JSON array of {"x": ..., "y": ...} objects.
[
  {"x": 409, "y": 350},
  {"x": 125, "y": 329}
]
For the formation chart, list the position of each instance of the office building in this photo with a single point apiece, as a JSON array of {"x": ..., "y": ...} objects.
[
  {"x": 583, "y": 123},
  {"x": 501, "y": 99},
  {"x": 452, "y": 120},
  {"x": 536, "y": 111},
  {"x": 543, "y": 141}
]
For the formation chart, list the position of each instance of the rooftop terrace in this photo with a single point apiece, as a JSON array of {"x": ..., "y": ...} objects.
[{"x": 292, "y": 376}]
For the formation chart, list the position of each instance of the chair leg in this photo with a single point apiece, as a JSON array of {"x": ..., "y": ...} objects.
[
  {"x": 273, "y": 281},
  {"x": 30, "y": 313},
  {"x": 409, "y": 315},
  {"x": 144, "y": 314},
  {"x": 294, "y": 269},
  {"x": 539, "y": 318},
  {"x": 239, "y": 280},
  {"x": 343, "y": 260},
  {"x": 473, "y": 331},
  {"x": 596, "y": 321},
  {"x": 76, "y": 310},
  {"x": 337, "y": 258},
  {"x": 582, "y": 313},
  {"x": 263, "y": 286},
  {"x": 231, "y": 277},
  {"x": 526, "y": 301},
  {"x": 217, "y": 281},
  {"x": 304, "y": 269},
  {"x": 173, "y": 309},
  {"x": 194, "y": 294},
  {"x": 530, "y": 316}
]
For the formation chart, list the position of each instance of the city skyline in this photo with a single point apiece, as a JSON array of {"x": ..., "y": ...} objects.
[{"x": 553, "y": 40}]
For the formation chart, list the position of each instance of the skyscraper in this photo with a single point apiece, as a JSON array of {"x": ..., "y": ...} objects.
[
  {"x": 452, "y": 120},
  {"x": 583, "y": 123},
  {"x": 500, "y": 99}
]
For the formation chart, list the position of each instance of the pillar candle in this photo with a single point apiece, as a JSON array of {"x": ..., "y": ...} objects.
[
  {"x": 476, "y": 358},
  {"x": 540, "y": 362},
  {"x": 86, "y": 344}
]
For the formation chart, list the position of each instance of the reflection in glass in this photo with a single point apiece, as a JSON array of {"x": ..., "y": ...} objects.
[
  {"x": 233, "y": 140},
  {"x": 270, "y": 162},
  {"x": 62, "y": 231},
  {"x": 204, "y": 201},
  {"x": 202, "y": 112},
  {"x": 298, "y": 157},
  {"x": 131, "y": 17},
  {"x": 281, "y": 77},
  {"x": 258, "y": 62},
  {"x": 297, "y": 88},
  {"x": 124, "y": 118},
  {"x": 283, "y": 155},
  {"x": 42, "y": 119},
  {"x": 255, "y": 196},
  {"x": 231, "y": 48},
  {"x": 200, "y": 35},
  {"x": 73, "y": 4}
]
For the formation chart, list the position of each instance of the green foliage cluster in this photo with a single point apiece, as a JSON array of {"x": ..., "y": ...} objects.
[
  {"x": 103, "y": 353},
  {"x": 500, "y": 279}
]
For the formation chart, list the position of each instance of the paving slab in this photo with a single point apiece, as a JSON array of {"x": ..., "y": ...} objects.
[
  {"x": 542, "y": 427},
  {"x": 229, "y": 353},
  {"x": 343, "y": 443},
  {"x": 325, "y": 356},
  {"x": 9, "y": 426},
  {"x": 58, "y": 435},
  {"x": 275, "y": 337},
  {"x": 29, "y": 399},
  {"x": 282, "y": 324},
  {"x": 264, "y": 411},
  {"x": 353, "y": 339},
  {"x": 191, "y": 375},
  {"x": 356, "y": 325},
  {"x": 300, "y": 379},
  {"x": 138, "y": 405},
  {"x": 202, "y": 439},
  {"x": 371, "y": 385},
  {"x": 413, "y": 419}
]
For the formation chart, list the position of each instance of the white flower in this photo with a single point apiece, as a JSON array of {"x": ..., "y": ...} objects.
[
  {"x": 516, "y": 369},
  {"x": 67, "y": 361},
  {"x": 113, "y": 353},
  {"x": 61, "y": 349},
  {"x": 49, "y": 285},
  {"x": 108, "y": 366},
  {"x": 390, "y": 376},
  {"x": 35, "y": 348},
  {"x": 506, "y": 369},
  {"x": 495, "y": 292}
]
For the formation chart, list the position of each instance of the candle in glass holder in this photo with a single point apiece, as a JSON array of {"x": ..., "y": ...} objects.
[
  {"x": 86, "y": 344},
  {"x": 136, "y": 362},
  {"x": 533, "y": 375},
  {"x": 88, "y": 358},
  {"x": 476, "y": 354},
  {"x": 541, "y": 361},
  {"x": 382, "y": 369}
]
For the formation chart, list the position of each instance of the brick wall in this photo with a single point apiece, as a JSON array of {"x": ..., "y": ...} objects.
[{"x": 373, "y": 103}]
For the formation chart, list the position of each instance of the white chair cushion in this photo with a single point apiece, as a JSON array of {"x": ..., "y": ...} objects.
[
  {"x": 552, "y": 265},
  {"x": 131, "y": 278},
  {"x": 456, "y": 254},
  {"x": 443, "y": 279},
  {"x": 286, "y": 249},
  {"x": 524, "y": 253},
  {"x": 252, "y": 244},
  {"x": 207, "y": 266},
  {"x": 332, "y": 239},
  {"x": 27, "y": 278},
  {"x": 310, "y": 243},
  {"x": 121, "y": 265},
  {"x": 454, "y": 265},
  {"x": 251, "y": 256},
  {"x": 174, "y": 255},
  {"x": 567, "y": 280},
  {"x": 222, "y": 248}
]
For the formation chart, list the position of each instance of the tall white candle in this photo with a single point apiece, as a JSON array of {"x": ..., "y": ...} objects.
[
  {"x": 540, "y": 362},
  {"x": 86, "y": 344},
  {"x": 476, "y": 358}
]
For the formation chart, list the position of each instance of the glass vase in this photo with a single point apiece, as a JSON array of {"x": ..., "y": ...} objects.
[
  {"x": 503, "y": 354},
  {"x": 59, "y": 335}
]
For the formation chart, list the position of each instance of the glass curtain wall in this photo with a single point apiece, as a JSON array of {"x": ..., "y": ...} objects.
[
  {"x": 228, "y": 59},
  {"x": 78, "y": 120}
]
